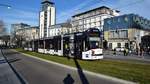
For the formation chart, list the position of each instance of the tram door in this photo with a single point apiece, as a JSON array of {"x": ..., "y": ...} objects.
[
  {"x": 57, "y": 43},
  {"x": 36, "y": 46},
  {"x": 66, "y": 48},
  {"x": 79, "y": 46},
  {"x": 47, "y": 44},
  {"x": 41, "y": 44}
]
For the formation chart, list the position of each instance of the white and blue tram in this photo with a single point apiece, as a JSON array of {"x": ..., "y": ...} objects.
[{"x": 85, "y": 45}]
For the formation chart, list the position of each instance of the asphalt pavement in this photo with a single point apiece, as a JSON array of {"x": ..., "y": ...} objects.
[
  {"x": 35, "y": 71},
  {"x": 7, "y": 75}
]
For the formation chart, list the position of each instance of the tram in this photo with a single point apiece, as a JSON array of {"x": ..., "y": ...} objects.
[{"x": 85, "y": 45}]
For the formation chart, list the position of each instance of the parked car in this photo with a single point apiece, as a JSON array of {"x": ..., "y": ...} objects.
[{"x": 119, "y": 48}]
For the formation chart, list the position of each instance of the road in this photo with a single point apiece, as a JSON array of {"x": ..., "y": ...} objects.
[
  {"x": 7, "y": 75},
  {"x": 35, "y": 71}
]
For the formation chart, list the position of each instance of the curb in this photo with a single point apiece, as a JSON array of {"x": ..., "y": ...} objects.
[{"x": 85, "y": 71}]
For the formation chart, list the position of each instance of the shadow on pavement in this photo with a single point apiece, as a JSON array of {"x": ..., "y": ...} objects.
[
  {"x": 10, "y": 53},
  {"x": 13, "y": 69},
  {"x": 80, "y": 72},
  {"x": 13, "y": 60},
  {"x": 68, "y": 79}
]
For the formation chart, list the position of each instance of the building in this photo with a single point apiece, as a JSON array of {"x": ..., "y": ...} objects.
[
  {"x": 60, "y": 29},
  {"x": 15, "y": 27},
  {"x": 34, "y": 32},
  {"x": 29, "y": 33},
  {"x": 125, "y": 31},
  {"x": 92, "y": 18},
  {"x": 47, "y": 17}
]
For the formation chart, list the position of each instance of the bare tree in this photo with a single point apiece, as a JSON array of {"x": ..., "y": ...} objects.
[
  {"x": 68, "y": 25},
  {"x": 6, "y": 39},
  {"x": 3, "y": 36},
  {"x": 2, "y": 28},
  {"x": 19, "y": 38}
]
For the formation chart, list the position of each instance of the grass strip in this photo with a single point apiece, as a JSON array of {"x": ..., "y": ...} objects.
[{"x": 131, "y": 71}]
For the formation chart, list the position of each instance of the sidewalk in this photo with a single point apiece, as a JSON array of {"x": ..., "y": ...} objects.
[
  {"x": 120, "y": 56},
  {"x": 7, "y": 76}
]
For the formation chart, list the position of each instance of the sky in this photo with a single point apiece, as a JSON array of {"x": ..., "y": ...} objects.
[{"x": 27, "y": 11}]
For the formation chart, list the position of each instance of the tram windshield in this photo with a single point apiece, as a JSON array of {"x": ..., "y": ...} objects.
[{"x": 94, "y": 42}]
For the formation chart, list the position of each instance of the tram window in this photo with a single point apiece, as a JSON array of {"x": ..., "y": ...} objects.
[
  {"x": 94, "y": 44},
  {"x": 59, "y": 45}
]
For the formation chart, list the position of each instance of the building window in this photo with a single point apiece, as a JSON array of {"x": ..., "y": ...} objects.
[
  {"x": 118, "y": 19},
  {"x": 109, "y": 21},
  {"x": 119, "y": 45},
  {"x": 126, "y": 19},
  {"x": 110, "y": 45},
  {"x": 118, "y": 34},
  {"x": 123, "y": 34}
]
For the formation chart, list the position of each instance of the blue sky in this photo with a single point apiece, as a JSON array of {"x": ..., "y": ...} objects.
[{"x": 27, "y": 11}]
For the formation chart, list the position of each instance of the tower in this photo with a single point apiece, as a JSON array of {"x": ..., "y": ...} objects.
[{"x": 47, "y": 17}]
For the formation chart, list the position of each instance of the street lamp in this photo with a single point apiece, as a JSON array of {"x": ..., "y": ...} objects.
[{"x": 4, "y": 5}]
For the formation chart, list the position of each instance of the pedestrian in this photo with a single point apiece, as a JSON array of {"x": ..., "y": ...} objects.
[
  {"x": 115, "y": 52},
  {"x": 127, "y": 51},
  {"x": 124, "y": 51},
  {"x": 141, "y": 53}
]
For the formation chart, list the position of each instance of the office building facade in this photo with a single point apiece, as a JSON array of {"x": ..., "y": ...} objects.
[{"x": 125, "y": 31}]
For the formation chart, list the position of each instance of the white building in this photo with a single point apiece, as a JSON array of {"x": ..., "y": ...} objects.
[
  {"x": 17, "y": 26},
  {"x": 92, "y": 18},
  {"x": 59, "y": 29},
  {"x": 47, "y": 17},
  {"x": 29, "y": 33}
]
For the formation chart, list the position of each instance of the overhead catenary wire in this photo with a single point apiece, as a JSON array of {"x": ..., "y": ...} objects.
[{"x": 98, "y": 1}]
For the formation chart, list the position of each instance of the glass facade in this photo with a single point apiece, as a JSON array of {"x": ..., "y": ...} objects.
[{"x": 125, "y": 22}]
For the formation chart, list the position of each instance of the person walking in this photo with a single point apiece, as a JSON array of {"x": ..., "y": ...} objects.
[
  {"x": 115, "y": 52},
  {"x": 127, "y": 51},
  {"x": 124, "y": 51},
  {"x": 141, "y": 52}
]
